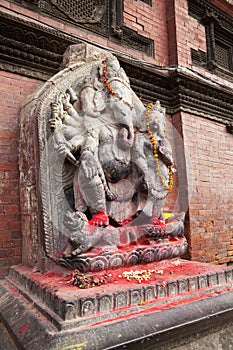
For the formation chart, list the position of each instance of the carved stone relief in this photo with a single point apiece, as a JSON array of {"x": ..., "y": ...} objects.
[{"x": 105, "y": 168}]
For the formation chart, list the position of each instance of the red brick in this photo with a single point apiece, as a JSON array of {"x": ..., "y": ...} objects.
[
  {"x": 5, "y": 166},
  {"x": 11, "y": 209},
  {"x": 130, "y": 18},
  {"x": 14, "y": 90},
  {"x": 16, "y": 235}
]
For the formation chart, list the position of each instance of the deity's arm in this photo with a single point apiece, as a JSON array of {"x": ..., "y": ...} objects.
[
  {"x": 70, "y": 115},
  {"x": 89, "y": 155},
  {"x": 62, "y": 134},
  {"x": 64, "y": 115},
  {"x": 69, "y": 120},
  {"x": 68, "y": 135}
]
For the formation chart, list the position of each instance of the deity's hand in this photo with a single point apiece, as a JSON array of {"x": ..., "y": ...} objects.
[
  {"x": 66, "y": 101},
  {"x": 88, "y": 164},
  {"x": 55, "y": 123},
  {"x": 111, "y": 196},
  {"x": 163, "y": 149},
  {"x": 63, "y": 150}
]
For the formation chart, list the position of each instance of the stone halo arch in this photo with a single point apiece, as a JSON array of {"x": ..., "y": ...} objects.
[{"x": 40, "y": 216}]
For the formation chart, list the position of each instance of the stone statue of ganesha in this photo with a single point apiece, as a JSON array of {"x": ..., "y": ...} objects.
[{"x": 123, "y": 170}]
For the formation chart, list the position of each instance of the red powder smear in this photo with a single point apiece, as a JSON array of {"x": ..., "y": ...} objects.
[
  {"x": 99, "y": 218},
  {"x": 14, "y": 290},
  {"x": 23, "y": 328},
  {"x": 171, "y": 270}
]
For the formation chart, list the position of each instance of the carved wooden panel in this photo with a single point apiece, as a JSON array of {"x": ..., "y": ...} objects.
[
  {"x": 82, "y": 10},
  {"x": 104, "y": 17},
  {"x": 223, "y": 55},
  {"x": 26, "y": 45},
  {"x": 91, "y": 14},
  {"x": 219, "y": 37}
]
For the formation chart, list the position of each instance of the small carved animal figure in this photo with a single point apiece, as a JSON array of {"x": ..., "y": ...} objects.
[
  {"x": 83, "y": 236},
  {"x": 175, "y": 225}
]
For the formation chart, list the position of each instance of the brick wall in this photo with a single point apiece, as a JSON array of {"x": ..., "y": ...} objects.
[
  {"x": 189, "y": 34},
  {"x": 186, "y": 32},
  {"x": 168, "y": 23},
  {"x": 13, "y": 90},
  {"x": 209, "y": 161},
  {"x": 149, "y": 21}
]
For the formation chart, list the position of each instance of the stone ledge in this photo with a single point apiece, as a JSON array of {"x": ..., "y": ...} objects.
[
  {"x": 180, "y": 309},
  {"x": 168, "y": 328},
  {"x": 176, "y": 279}
]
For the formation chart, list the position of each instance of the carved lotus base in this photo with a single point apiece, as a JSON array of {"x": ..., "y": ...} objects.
[{"x": 133, "y": 255}]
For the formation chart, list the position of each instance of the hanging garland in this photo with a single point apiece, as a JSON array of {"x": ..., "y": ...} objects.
[{"x": 154, "y": 145}]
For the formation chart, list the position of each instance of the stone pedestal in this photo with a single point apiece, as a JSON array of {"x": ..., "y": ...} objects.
[{"x": 182, "y": 302}]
